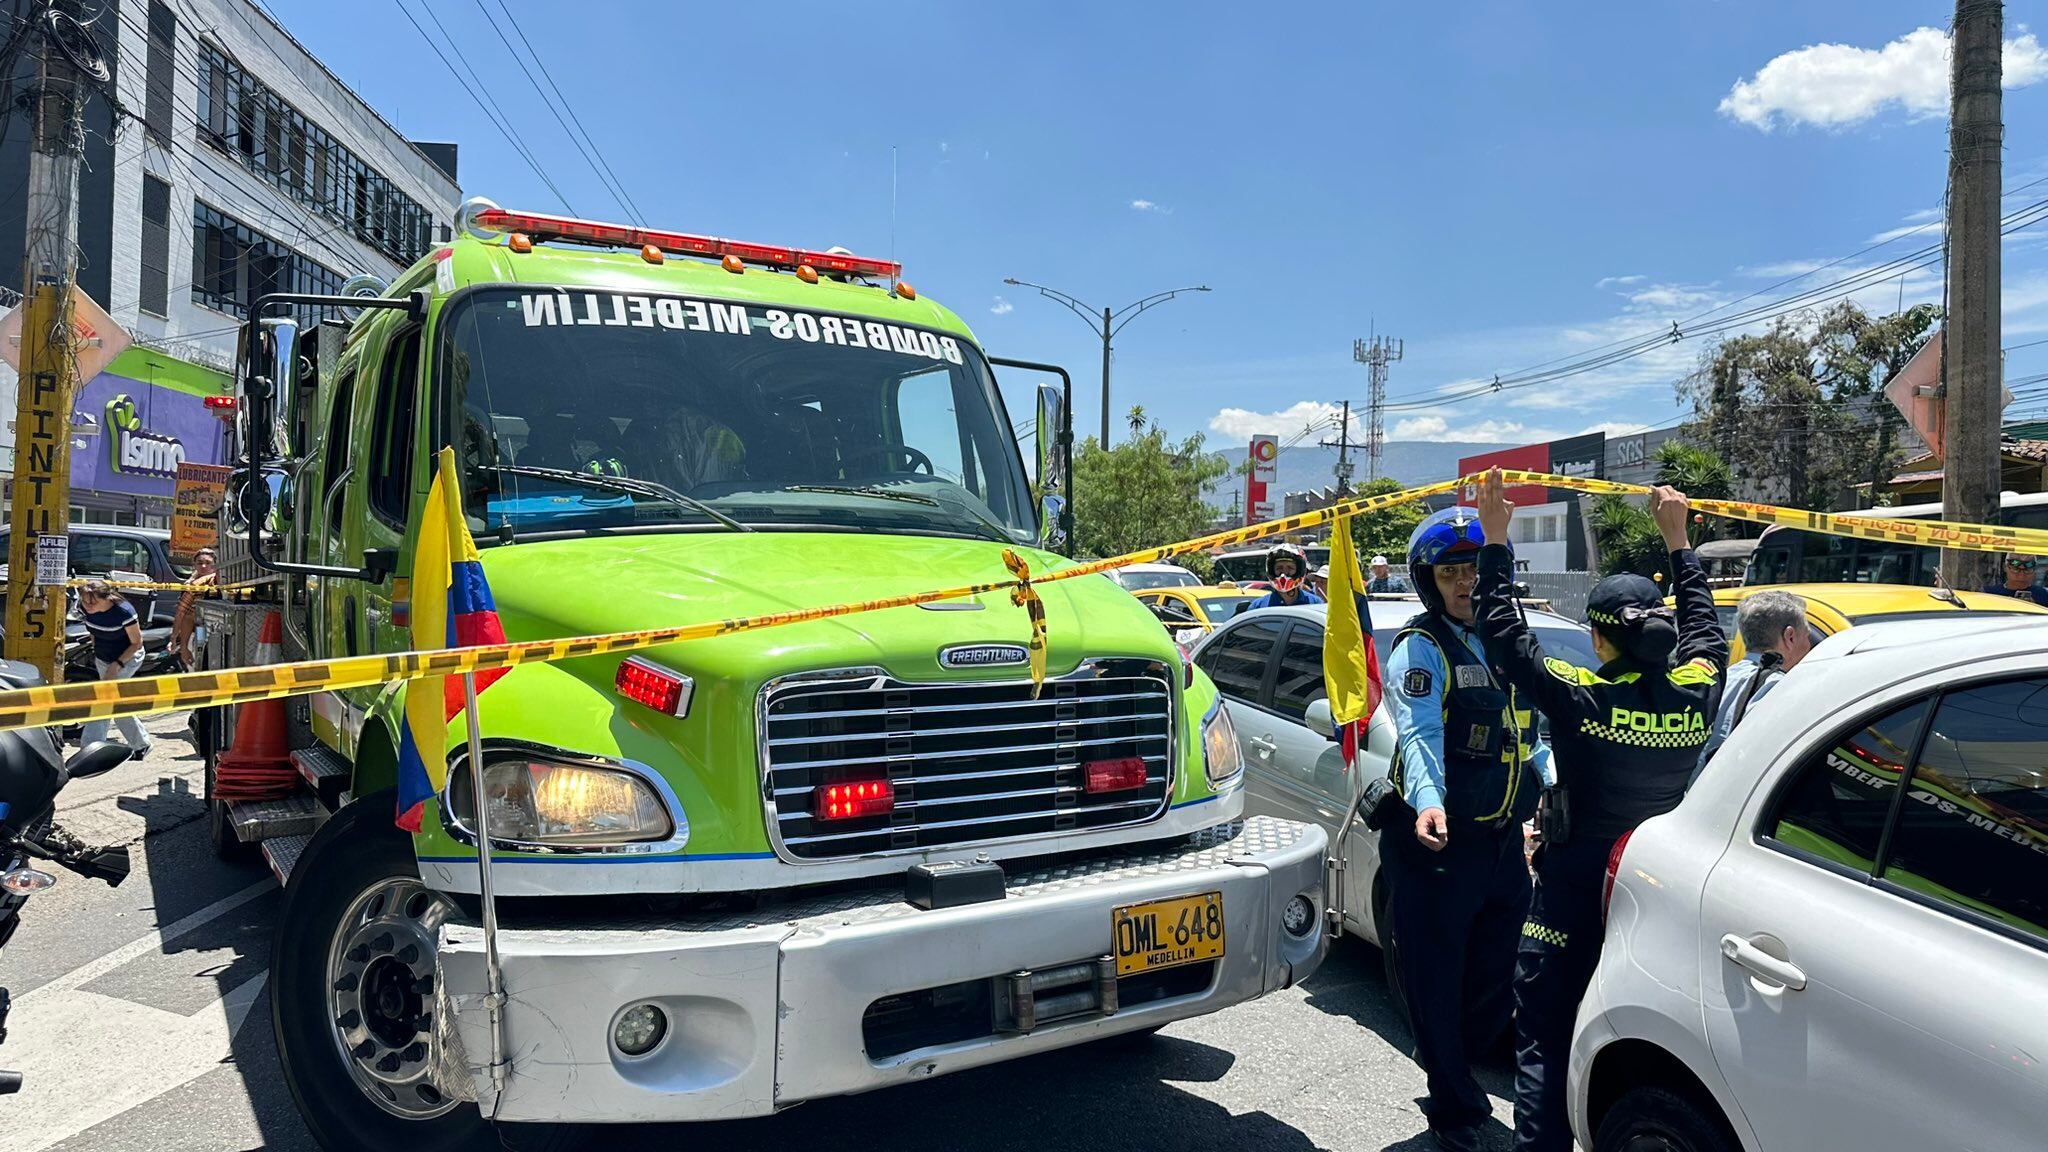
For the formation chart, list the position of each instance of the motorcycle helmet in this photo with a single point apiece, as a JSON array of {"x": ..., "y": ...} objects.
[
  {"x": 1450, "y": 536},
  {"x": 1291, "y": 581}
]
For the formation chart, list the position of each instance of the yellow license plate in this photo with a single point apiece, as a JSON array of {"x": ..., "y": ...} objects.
[{"x": 1167, "y": 933}]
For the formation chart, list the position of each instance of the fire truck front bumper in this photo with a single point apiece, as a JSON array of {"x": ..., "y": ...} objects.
[{"x": 844, "y": 992}]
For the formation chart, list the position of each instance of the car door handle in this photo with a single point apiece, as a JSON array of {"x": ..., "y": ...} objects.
[
  {"x": 1264, "y": 744},
  {"x": 1761, "y": 963}
]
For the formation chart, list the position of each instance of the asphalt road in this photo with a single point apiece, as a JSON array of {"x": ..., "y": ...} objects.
[{"x": 143, "y": 1025}]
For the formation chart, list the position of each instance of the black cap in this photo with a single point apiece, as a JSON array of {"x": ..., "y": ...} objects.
[{"x": 1609, "y": 605}]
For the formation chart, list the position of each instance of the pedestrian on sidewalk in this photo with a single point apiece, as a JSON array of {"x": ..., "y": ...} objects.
[
  {"x": 186, "y": 635},
  {"x": 117, "y": 650}
]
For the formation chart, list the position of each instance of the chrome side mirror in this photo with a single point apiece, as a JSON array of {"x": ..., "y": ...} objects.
[
  {"x": 1052, "y": 523},
  {"x": 1052, "y": 422}
]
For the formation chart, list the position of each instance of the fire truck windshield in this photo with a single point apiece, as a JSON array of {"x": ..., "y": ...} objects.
[{"x": 771, "y": 417}]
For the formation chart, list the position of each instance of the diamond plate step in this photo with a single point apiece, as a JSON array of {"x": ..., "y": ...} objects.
[
  {"x": 282, "y": 854},
  {"x": 296, "y": 815},
  {"x": 324, "y": 770}
]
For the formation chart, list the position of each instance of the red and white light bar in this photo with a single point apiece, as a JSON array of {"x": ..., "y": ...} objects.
[{"x": 485, "y": 219}]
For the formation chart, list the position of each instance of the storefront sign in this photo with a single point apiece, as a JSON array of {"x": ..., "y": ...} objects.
[
  {"x": 1580, "y": 457},
  {"x": 1265, "y": 467},
  {"x": 135, "y": 450},
  {"x": 195, "y": 516},
  {"x": 148, "y": 426}
]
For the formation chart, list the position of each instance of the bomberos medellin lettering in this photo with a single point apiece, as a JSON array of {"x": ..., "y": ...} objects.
[{"x": 627, "y": 310}]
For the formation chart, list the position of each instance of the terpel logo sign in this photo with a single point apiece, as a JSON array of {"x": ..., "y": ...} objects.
[
  {"x": 135, "y": 452},
  {"x": 983, "y": 656}
]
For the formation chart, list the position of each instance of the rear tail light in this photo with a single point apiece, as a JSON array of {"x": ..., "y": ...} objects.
[
  {"x": 1119, "y": 775},
  {"x": 853, "y": 799},
  {"x": 1613, "y": 869},
  {"x": 647, "y": 683}
]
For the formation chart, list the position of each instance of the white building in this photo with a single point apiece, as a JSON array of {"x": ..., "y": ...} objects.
[{"x": 235, "y": 165}]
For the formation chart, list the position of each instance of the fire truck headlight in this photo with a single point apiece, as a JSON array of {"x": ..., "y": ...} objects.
[
  {"x": 544, "y": 801},
  {"x": 1220, "y": 753}
]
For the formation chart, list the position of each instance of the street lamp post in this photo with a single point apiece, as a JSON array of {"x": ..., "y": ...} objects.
[{"x": 1106, "y": 326}]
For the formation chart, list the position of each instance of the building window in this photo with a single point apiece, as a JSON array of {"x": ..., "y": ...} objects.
[
  {"x": 233, "y": 264},
  {"x": 253, "y": 125},
  {"x": 161, "y": 69},
  {"x": 154, "y": 295}
]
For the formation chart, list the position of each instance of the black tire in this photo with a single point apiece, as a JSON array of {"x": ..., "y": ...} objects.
[
  {"x": 355, "y": 852},
  {"x": 227, "y": 846},
  {"x": 1660, "y": 1120}
]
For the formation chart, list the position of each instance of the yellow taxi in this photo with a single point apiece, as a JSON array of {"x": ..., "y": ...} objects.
[
  {"x": 1832, "y": 607},
  {"x": 1203, "y": 606}
]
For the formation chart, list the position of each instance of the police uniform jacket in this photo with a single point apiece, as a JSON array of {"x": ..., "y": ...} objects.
[{"x": 1626, "y": 737}]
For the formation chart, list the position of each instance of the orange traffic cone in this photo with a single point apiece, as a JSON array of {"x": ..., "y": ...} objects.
[{"x": 258, "y": 765}]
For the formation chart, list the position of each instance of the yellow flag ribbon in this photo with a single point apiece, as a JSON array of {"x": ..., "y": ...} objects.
[{"x": 1025, "y": 595}]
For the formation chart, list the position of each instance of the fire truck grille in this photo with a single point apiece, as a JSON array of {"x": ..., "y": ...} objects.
[{"x": 964, "y": 763}]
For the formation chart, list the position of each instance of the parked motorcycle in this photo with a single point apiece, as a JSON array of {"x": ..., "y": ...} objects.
[{"x": 32, "y": 772}]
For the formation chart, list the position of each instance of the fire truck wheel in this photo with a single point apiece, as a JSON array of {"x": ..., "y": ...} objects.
[
  {"x": 352, "y": 995},
  {"x": 226, "y": 845}
]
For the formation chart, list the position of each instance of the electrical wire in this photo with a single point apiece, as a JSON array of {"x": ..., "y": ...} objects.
[{"x": 607, "y": 176}]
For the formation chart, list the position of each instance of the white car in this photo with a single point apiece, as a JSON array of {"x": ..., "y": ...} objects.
[
  {"x": 1804, "y": 955},
  {"x": 1139, "y": 577},
  {"x": 1268, "y": 664}
]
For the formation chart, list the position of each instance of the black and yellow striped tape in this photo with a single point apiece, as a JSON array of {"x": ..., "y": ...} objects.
[
  {"x": 226, "y": 591},
  {"x": 100, "y": 699}
]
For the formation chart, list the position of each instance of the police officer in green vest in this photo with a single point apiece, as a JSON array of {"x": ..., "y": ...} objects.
[
  {"x": 1626, "y": 739},
  {"x": 1469, "y": 765}
]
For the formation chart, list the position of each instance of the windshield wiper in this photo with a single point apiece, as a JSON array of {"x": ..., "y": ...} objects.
[
  {"x": 626, "y": 484},
  {"x": 995, "y": 531},
  {"x": 850, "y": 490}
]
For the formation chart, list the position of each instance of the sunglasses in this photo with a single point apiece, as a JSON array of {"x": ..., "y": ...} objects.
[{"x": 2022, "y": 565}]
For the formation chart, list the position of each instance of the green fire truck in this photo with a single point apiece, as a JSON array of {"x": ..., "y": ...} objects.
[{"x": 739, "y": 873}]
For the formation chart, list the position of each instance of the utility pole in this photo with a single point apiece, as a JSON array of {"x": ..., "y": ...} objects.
[
  {"x": 1971, "y": 370},
  {"x": 1343, "y": 444},
  {"x": 1376, "y": 355},
  {"x": 44, "y": 393}
]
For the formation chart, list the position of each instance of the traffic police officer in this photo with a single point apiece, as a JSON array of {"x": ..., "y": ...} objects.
[
  {"x": 1627, "y": 737},
  {"x": 1468, "y": 761}
]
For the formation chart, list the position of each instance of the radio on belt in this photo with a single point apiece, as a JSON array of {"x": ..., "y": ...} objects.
[{"x": 951, "y": 883}]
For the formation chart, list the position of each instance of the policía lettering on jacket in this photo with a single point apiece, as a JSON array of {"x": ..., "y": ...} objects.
[
  {"x": 626, "y": 310},
  {"x": 1634, "y": 721}
]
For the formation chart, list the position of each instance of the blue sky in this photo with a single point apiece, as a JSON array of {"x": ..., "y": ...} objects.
[{"x": 1499, "y": 184}]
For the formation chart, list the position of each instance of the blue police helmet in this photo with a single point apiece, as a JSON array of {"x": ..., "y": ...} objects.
[{"x": 1444, "y": 534}]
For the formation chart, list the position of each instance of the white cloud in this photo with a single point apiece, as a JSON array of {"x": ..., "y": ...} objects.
[
  {"x": 1243, "y": 424},
  {"x": 1616, "y": 428},
  {"x": 1781, "y": 268},
  {"x": 1151, "y": 206},
  {"x": 1668, "y": 297},
  {"x": 1606, "y": 282},
  {"x": 1833, "y": 85},
  {"x": 1002, "y": 307},
  {"x": 1436, "y": 429}
]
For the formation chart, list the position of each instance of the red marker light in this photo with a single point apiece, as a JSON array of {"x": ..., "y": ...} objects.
[
  {"x": 853, "y": 799},
  {"x": 1120, "y": 775},
  {"x": 219, "y": 403},
  {"x": 647, "y": 683}
]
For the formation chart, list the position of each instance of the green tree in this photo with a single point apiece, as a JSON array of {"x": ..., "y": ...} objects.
[
  {"x": 1795, "y": 411},
  {"x": 1623, "y": 530},
  {"x": 1385, "y": 533},
  {"x": 1142, "y": 493}
]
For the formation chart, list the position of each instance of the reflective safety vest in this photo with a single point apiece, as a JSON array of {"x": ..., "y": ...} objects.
[{"x": 1489, "y": 734}]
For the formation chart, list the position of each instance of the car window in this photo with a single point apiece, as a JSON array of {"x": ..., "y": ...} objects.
[
  {"x": 390, "y": 487},
  {"x": 1221, "y": 608},
  {"x": 1301, "y": 671},
  {"x": 1237, "y": 660},
  {"x": 1137, "y": 580},
  {"x": 101, "y": 554},
  {"x": 1973, "y": 831},
  {"x": 1836, "y": 804}
]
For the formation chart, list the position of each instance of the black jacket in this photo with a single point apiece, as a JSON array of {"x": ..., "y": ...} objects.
[{"x": 1624, "y": 739}]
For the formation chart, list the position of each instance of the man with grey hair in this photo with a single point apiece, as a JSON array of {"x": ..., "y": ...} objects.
[{"x": 1775, "y": 636}]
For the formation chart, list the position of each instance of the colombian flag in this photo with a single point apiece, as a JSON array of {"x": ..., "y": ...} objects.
[
  {"x": 451, "y": 608},
  {"x": 1351, "y": 666}
]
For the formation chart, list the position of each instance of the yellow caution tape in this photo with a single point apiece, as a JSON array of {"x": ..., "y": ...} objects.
[
  {"x": 101, "y": 699},
  {"x": 225, "y": 590},
  {"x": 1928, "y": 533}
]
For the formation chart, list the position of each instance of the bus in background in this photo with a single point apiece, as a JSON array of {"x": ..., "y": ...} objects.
[{"x": 1797, "y": 556}]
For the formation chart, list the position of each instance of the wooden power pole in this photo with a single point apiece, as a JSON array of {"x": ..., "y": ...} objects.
[{"x": 1972, "y": 374}]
